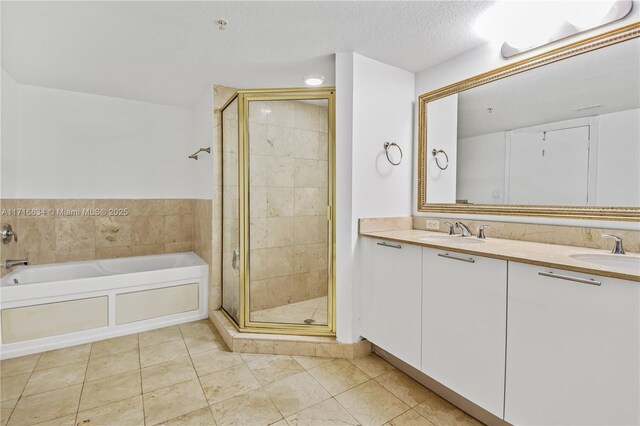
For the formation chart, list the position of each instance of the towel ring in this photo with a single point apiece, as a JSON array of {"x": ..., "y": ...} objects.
[
  {"x": 388, "y": 145},
  {"x": 435, "y": 155}
]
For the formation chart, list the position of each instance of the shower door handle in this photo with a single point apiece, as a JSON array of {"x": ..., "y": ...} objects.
[{"x": 234, "y": 260}]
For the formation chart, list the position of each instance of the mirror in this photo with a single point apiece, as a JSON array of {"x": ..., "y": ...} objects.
[{"x": 561, "y": 138}]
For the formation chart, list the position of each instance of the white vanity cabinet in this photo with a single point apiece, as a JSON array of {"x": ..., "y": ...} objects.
[
  {"x": 573, "y": 348},
  {"x": 391, "y": 300},
  {"x": 464, "y": 325}
]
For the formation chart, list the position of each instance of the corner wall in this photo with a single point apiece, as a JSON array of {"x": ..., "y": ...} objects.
[{"x": 374, "y": 103}]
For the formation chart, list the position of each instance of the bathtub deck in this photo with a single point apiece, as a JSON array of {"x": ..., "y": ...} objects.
[{"x": 186, "y": 375}]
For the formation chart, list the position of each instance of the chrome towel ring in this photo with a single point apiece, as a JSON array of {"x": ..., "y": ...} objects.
[
  {"x": 388, "y": 145},
  {"x": 446, "y": 157}
]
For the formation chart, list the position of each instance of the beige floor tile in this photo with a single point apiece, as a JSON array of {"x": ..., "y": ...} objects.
[
  {"x": 46, "y": 406},
  {"x": 167, "y": 374},
  {"x": 251, "y": 357},
  {"x": 19, "y": 365},
  {"x": 55, "y": 378},
  {"x": 161, "y": 335},
  {"x": 296, "y": 393},
  {"x": 409, "y": 418},
  {"x": 404, "y": 387},
  {"x": 282, "y": 422},
  {"x": 110, "y": 365},
  {"x": 372, "y": 364},
  {"x": 150, "y": 355},
  {"x": 371, "y": 404},
  {"x": 204, "y": 342},
  {"x": 271, "y": 369},
  {"x": 252, "y": 408},
  {"x": 6, "y": 408},
  {"x": 64, "y": 356},
  {"x": 110, "y": 389},
  {"x": 69, "y": 420},
  {"x": 338, "y": 376},
  {"x": 201, "y": 417},
  {"x": 212, "y": 361},
  {"x": 12, "y": 387},
  {"x": 442, "y": 413},
  {"x": 127, "y": 412},
  {"x": 196, "y": 328},
  {"x": 225, "y": 384},
  {"x": 329, "y": 412},
  {"x": 173, "y": 401},
  {"x": 309, "y": 362},
  {"x": 114, "y": 346}
]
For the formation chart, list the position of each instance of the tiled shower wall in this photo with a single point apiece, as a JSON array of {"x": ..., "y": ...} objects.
[{"x": 136, "y": 228}]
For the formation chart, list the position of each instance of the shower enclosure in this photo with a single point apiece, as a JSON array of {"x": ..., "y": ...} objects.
[{"x": 277, "y": 210}]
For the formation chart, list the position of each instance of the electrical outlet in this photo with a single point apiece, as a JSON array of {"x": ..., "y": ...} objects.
[{"x": 433, "y": 224}]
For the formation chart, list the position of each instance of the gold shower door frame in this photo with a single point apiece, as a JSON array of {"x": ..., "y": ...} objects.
[{"x": 244, "y": 97}]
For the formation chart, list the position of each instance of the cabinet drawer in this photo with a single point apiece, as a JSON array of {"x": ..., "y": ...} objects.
[
  {"x": 573, "y": 348},
  {"x": 391, "y": 308},
  {"x": 464, "y": 325}
]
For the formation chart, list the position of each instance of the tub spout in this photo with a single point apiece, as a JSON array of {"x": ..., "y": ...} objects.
[{"x": 12, "y": 263}]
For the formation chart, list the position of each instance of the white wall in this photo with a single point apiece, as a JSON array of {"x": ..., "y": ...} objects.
[
  {"x": 486, "y": 58},
  {"x": 9, "y": 136},
  {"x": 78, "y": 145},
  {"x": 481, "y": 168},
  {"x": 374, "y": 104},
  {"x": 203, "y": 169},
  {"x": 442, "y": 134},
  {"x": 618, "y": 181}
]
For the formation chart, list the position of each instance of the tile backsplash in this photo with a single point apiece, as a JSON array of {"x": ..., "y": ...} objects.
[
  {"x": 57, "y": 230},
  {"x": 552, "y": 234}
]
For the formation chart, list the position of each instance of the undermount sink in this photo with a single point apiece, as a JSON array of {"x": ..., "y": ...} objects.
[
  {"x": 453, "y": 239},
  {"x": 618, "y": 261}
]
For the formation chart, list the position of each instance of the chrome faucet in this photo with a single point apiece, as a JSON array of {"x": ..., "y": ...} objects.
[
  {"x": 12, "y": 263},
  {"x": 481, "y": 231},
  {"x": 465, "y": 230},
  {"x": 450, "y": 225},
  {"x": 617, "y": 248}
]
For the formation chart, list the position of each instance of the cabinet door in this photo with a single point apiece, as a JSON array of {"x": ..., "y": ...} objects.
[
  {"x": 573, "y": 349},
  {"x": 391, "y": 311},
  {"x": 464, "y": 325}
]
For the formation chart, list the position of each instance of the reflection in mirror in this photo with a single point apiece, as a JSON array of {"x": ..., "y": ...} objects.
[{"x": 564, "y": 134}]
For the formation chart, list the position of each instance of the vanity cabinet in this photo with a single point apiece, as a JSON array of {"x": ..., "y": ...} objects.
[
  {"x": 391, "y": 300},
  {"x": 464, "y": 316},
  {"x": 573, "y": 348}
]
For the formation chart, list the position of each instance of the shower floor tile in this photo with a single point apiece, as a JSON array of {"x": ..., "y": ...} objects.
[
  {"x": 295, "y": 313},
  {"x": 215, "y": 385}
]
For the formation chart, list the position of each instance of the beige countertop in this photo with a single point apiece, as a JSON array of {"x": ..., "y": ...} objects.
[{"x": 549, "y": 255}]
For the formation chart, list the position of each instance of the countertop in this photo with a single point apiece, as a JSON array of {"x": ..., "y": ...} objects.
[{"x": 549, "y": 255}]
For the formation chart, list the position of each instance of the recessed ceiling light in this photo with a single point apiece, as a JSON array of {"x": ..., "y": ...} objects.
[{"x": 314, "y": 80}]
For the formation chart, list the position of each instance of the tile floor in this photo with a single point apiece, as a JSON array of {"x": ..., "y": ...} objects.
[
  {"x": 295, "y": 313},
  {"x": 185, "y": 375}
]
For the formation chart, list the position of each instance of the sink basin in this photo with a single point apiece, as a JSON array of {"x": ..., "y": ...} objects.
[
  {"x": 618, "y": 261},
  {"x": 452, "y": 239}
]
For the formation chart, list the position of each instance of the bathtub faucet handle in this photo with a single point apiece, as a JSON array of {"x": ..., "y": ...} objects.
[{"x": 7, "y": 233}]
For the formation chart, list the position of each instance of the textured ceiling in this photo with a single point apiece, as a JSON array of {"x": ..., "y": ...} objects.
[
  {"x": 170, "y": 52},
  {"x": 608, "y": 77}
]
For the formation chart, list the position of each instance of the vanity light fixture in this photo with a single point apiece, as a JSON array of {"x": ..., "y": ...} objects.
[
  {"x": 523, "y": 26},
  {"x": 314, "y": 80}
]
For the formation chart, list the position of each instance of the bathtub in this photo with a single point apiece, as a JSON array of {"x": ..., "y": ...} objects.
[{"x": 53, "y": 306}]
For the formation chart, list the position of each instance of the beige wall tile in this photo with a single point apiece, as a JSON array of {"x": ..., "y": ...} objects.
[
  {"x": 147, "y": 229},
  {"x": 147, "y": 249},
  {"x": 112, "y": 252},
  {"x": 113, "y": 231},
  {"x": 74, "y": 233}
]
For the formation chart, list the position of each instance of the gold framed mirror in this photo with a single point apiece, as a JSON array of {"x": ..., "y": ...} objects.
[{"x": 472, "y": 114}]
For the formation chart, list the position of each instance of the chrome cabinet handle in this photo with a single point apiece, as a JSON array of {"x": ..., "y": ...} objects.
[
  {"x": 590, "y": 281},
  {"x": 234, "y": 260},
  {"x": 462, "y": 259},
  {"x": 395, "y": 246}
]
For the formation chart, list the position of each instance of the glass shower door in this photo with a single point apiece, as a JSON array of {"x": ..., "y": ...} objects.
[
  {"x": 289, "y": 198},
  {"x": 230, "y": 212}
]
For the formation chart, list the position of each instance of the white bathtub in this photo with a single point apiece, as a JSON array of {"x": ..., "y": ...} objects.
[{"x": 52, "y": 306}]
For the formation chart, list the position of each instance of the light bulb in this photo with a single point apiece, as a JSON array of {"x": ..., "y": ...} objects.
[{"x": 314, "y": 80}]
